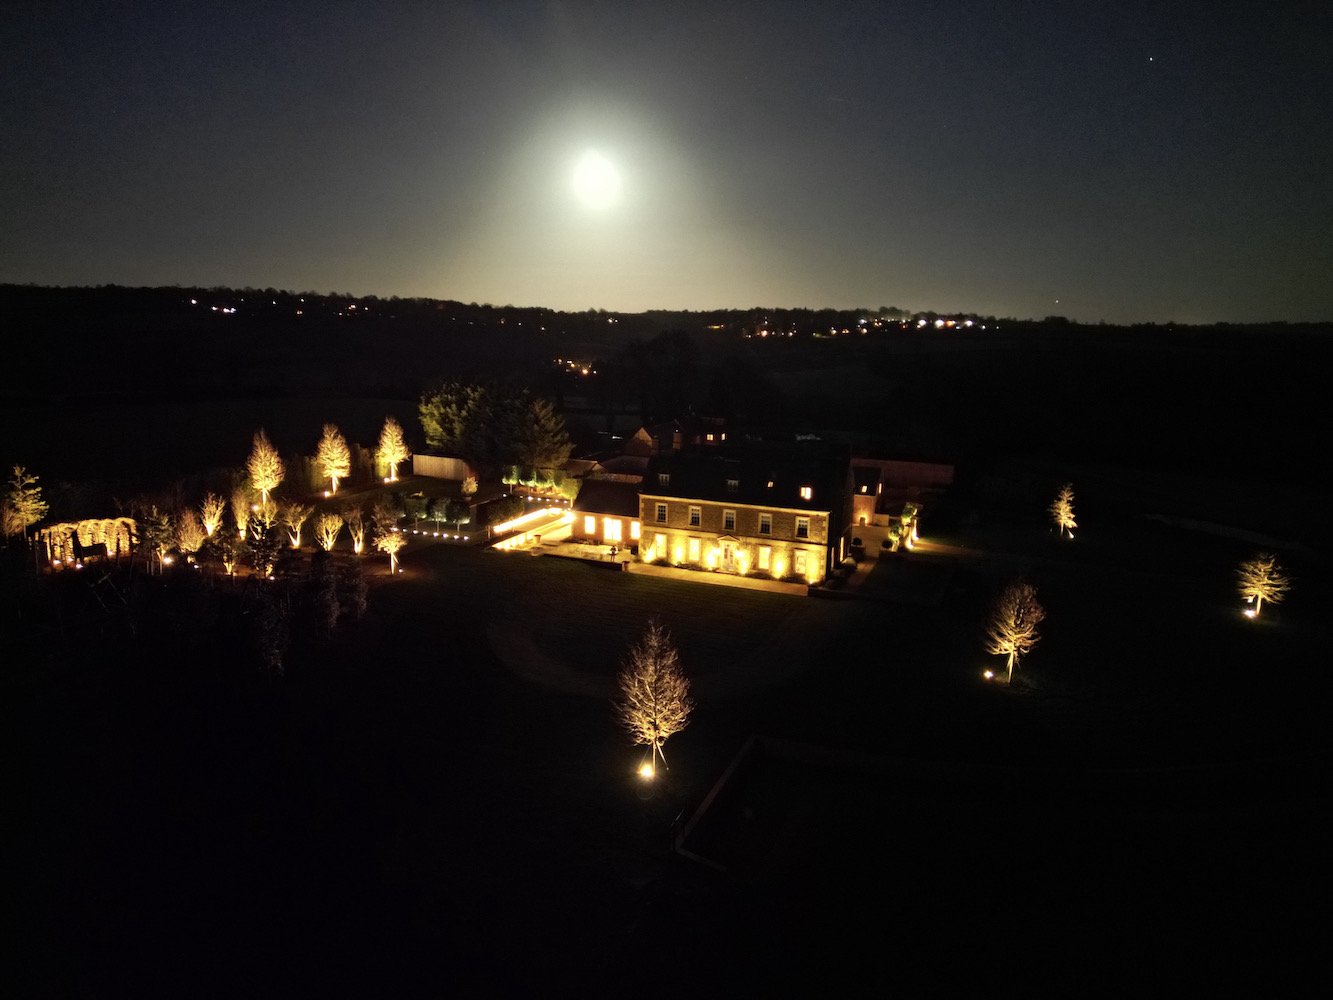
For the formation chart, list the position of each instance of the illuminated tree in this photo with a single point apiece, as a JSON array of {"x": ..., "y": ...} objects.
[
  {"x": 469, "y": 486},
  {"x": 294, "y": 515},
  {"x": 333, "y": 456},
  {"x": 458, "y": 511},
  {"x": 356, "y": 527},
  {"x": 1011, "y": 630},
  {"x": 385, "y": 512},
  {"x": 158, "y": 533},
  {"x": 23, "y": 504},
  {"x": 240, "y": 509},
  {"x": 654, "y": 698},
  {"x": 1261, "y": 579},
  {"x": 391, "y": 542},
  {"x": 392, "y": 449},
  {"x": 1062, "y": 510},
  {"x": 265, "y": 467},
  {"x": 493, "y": 427},
  {"x": 327, "y": 527},
  {"x": 190, "y": 534},
  {"x": 265, "y": 513},
  {"x": 228, "y": 546},
  {"x": 211, "y": 513}
]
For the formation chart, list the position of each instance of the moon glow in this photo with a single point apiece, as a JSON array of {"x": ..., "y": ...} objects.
[{"x": 596, "y": 181}]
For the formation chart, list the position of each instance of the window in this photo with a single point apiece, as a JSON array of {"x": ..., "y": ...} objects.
[
  {"x": 770, "y": 484},
  {"x": 806, "y": 492},
  {"x": 728, "y": 520},
  {"x": 664, "y": 479},
  {"x": 696, "y": 515},
  {"x": 710, "y": 438},
  {"x": 765, "y": 524},
  {"x": 694, "y": 550},
  {"x": 803, "y": 527},
  {"x": 589, "y": 525},
  {"x": 798, "y": 562},
  {"x": 611, "y": 529},
  {"x": 733, "y": 485},
  {"x": 864, "y": 489},
  {"x": 634, "y": 531},
  {"x": 661, "y": 513},
  {"x": 765, "y": 556},
  {"x": 659, "y": 547}
]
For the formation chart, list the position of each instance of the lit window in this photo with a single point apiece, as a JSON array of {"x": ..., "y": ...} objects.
[
  {"x": 765, "y": 524},
  {"x": 634, "y": 531},
  {"x": 733, "y": 485},
  {"x": 765, "y": 554},
  {"x": 770, "y": 484},
  {"x": 728, "y": 520},
  {"x": 710, "y": 437},
  {"x": 694, "y": 550},
  {"x": 696, "y": 515},
  {"x": 611, "y": 529},
  {"x": 659, "y": 547},
  {"x": 803, "y": 527},
  {"x": 864, "y": 489},
  {"x": 806, "y": 492},
  {"x": 589, "y": 525},
  {"x": 664, "y": 479},
  {"x": 661, "y": 513}
]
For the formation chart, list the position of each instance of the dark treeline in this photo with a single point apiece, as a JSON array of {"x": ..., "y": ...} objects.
[{"x": 1231, "y": 399}]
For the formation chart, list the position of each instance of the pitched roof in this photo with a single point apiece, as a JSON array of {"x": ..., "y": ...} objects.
[
  {"x": 601, "y": 496},
  {"x": 758, "y": 477}
]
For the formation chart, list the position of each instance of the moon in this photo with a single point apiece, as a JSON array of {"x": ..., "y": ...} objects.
[{"x": 596, "y": 181}]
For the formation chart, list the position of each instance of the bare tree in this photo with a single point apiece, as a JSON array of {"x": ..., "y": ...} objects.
[
  {"x": 333, "y": 456},
  {"x": 385, "y": 512},
  {"x": 240, "y": 509},
  {"x": 393, "y": 448},
  {"x": 1011, "y": 630},
  {"x": 265, "y": 467},
  {"x": 190, "y": 534},
  {"x": 391, "y": 542},
  {"x": 327, "y": 527},
  {"x": 266, "y": 513},
  {"x": 294, "y": 515},
  {"x": 210, "y": 512},
  {"x": 654, "y": 692},
  {"x": 1261, "y": 579},
  {"x": 23, "y": 504},
  {"x": 1062, "y": 510},
  {"x": 356, "y": 526}
]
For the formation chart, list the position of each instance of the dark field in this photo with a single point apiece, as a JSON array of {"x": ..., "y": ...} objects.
[
  {"x": 440, "y": 801},
  {"x": 441, "y": 796}
]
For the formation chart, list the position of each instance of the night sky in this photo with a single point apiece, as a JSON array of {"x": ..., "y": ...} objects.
[{"x": 1118, "y": 162}]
